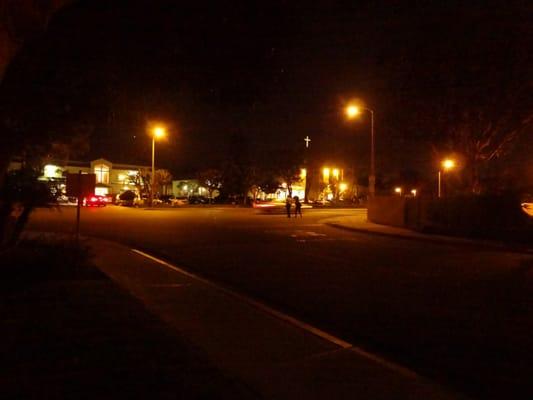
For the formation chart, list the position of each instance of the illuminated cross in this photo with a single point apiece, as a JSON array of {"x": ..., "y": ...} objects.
[{"x": 307, "y": 140}]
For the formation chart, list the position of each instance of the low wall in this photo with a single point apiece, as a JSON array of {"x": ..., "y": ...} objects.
[
  {"x": 493, "y": 217},
  {"x": 387, "y": 210}
]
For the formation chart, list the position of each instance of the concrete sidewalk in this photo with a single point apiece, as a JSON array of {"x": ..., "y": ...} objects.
[
  {"x": 360, "y": 223},
  {"x": 274, "y": 355},
  {"x": 70, "y": 332}
]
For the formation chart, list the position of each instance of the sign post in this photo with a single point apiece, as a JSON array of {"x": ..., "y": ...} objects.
[{"x": 80, "y": 185}]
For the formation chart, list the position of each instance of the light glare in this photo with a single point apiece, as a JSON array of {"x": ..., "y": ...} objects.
[
  {"x": 159, "y": 132},
  {"x": 352, "y": 111},
  {"x": 448, "y": 164}
]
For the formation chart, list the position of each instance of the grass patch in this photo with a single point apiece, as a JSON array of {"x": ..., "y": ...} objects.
[{"x": 45, "y": 259}]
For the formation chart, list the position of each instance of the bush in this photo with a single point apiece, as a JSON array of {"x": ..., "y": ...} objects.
[{"x": 44, "y": 259}]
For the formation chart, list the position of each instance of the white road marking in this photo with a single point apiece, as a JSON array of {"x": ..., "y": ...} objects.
[
  {"x": 302, "y": 234},
  {"x": 315, "y": 234},
  {"x": 291, "y": 320}
]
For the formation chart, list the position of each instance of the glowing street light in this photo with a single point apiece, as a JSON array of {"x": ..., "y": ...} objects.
[
  {"x": 351, "y": 112},
  {"x": 158, "y": 132},
  {"x": 343, "y": 186},
  {"x": 398, "y": 190},
  {"x": 446, "y": 165}
]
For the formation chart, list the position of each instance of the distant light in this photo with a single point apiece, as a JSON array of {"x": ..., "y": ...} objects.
[
  {"x": 413, "y": 192},
  {"x": 398, "y": 190},
  {"x": 448, "y": 164},
  {"x": 352, "y": 111},
  {"x": 325, "y": 174},
  {"x": 336, "y": 173},
  {"x": 343, "y": 186},
  {"x": 303, "y": 173}
]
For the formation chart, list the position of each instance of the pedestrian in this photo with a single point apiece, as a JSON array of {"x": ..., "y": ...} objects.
[
  {"x": 288, "y": 207},
  {"x": 297, "y": 207}
]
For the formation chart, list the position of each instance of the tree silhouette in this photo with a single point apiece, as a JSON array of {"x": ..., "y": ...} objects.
[
  {"x": 162, "y": 179},
  {"x": 211, "y": 179}
]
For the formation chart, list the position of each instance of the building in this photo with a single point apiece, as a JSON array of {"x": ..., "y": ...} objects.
[{"x": 111, "y": 178}]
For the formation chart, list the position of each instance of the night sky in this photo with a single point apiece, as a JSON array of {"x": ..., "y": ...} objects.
[{"x": 264, "y": 75}]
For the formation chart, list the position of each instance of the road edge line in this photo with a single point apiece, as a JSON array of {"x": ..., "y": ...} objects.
[{"x": 290, "y": 320}]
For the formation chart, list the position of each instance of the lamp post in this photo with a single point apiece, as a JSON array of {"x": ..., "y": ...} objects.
[
  {"x": 157, "y": 133},
  {"x": 446, "y": 165},
  {"x": 353, "y": 111}
]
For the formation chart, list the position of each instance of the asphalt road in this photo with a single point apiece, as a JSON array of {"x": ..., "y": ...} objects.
[{"x": 457, "y": 314}]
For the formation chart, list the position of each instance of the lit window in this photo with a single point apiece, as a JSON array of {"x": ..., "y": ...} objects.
[
  {"x": 102, "y": 173},
  {"x": 101, "y": 191},
  {"x": 325, "y": 175},
  {"x": 52, "y": 171}
]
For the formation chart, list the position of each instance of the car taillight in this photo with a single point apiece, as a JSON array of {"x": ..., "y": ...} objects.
[{"x": 94, "y": 199}]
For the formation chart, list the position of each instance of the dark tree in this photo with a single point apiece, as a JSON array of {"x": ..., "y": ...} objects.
[{"x": 212, "y": 179}]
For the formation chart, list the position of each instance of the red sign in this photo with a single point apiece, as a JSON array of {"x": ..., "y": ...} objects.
[{"x": 80, "y": 185}]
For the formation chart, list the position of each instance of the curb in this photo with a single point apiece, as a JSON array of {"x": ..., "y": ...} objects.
[{"x": 438, "y": 240}]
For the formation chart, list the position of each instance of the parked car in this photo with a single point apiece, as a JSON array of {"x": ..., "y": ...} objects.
[
  {"x": 94, "y": 201},
  {"x": 179, "y": 201},
  {"x": 198, "y": 200},
  {"x": 167, "y": 198},
  {"x": 127, "y": 198}
]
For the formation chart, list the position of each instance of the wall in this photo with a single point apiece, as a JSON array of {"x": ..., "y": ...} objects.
[{"x": 387, "y": 210}]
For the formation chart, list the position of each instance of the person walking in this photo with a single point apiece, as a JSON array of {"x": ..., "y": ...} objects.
[
  {"x": 297, "y": 207},
  {"x": 288, "y": 207}
]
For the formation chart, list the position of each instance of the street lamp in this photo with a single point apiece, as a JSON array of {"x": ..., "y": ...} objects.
[
  {"x": 351, "y": 112},
  {"x": 446, "y": 165},
  {"x": 158, "y": 132}
]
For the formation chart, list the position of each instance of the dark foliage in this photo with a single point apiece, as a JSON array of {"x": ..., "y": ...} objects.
[{"x": 20, "y": 193}]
